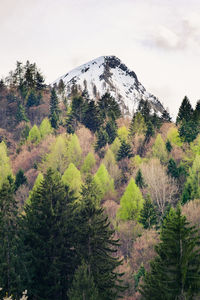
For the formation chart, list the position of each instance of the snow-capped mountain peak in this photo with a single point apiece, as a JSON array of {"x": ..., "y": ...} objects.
[{"x": 109, "y": 74}]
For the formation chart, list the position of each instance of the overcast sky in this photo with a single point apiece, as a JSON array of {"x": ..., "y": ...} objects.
[{"x": 158, "y": 39}]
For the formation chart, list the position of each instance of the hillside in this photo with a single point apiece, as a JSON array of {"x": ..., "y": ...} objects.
[{"x": 67, "y": 163}]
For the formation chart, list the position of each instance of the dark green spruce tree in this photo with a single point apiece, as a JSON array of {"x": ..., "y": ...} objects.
[
  {"x": 168, "y": 146},
  {"x": 54, "y": 109},
  {"x": 185, "y": 112},
  {"x": 125, "y": 151},
  {"x": 139, "y": 179},
  {"x": 111, "y": 129},
  {"x": 10, "y": 264},
  {"x": 96, "y": 244},
  {"x": 175, "y": 271},
  {"x": 47, "y": 231},
  {"x": 83, "y": 286},
  {"x": 148, "y": 216}
]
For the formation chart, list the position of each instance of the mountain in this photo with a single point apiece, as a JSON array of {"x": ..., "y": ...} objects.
[{"x": 109, "y": 74}]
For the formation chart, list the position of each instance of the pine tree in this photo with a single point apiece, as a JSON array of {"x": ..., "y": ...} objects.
[
  {"x": 91, "y": 118},
  {"x": 83, "y": 286},
  {"x": 20, "y": 179},
  {"x": 168, "y": 146},
  {"x": 166, "y": 116},
  {"x": 148, "y": 216},
  {"x": 144, "y": 109},
  {"x": 96, "y": 245},
  {"x": 150, "y": 131},
  {"x": 108, "y": 107},
  {"x": 196, "y": 114},
  {"x": 47, "y": 236},
  {"x": 131, "y": 202},
  {"x": 111, "y": 129},
  {"x": 9, "y": 256},
  {"x": 21, "y": 115},
  {"x": 124, "y": 151},
  {"x": 185, "y": 111},
  {"x": 188, "y": 130},
  {"x": 175, "y": 271},
  {"x": 139, "y": 180},
  {"x": 137, "y": 125},
  {"x": 102, "y": 139},
  {"x": 172, "y": 169},
  {"x": 54, "y": 109}
]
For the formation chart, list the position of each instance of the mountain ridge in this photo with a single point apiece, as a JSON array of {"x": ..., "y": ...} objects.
[{"x": 109, "y": 74}]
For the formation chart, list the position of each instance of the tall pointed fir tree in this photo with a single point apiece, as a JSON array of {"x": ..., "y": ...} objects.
[
  {"x": 175, "y": 271},
  {"x": 47, "y": 234},
  {"x": 96, "y": 244},
  {"x": 185, "y": 111},
  {"x": 54, "y": 109},
  {"x": 125, "y": 151},
  {"x": 148, "y": 216},
  {"x": 9, "y": 259}
]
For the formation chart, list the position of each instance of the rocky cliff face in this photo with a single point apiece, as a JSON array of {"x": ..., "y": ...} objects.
[{"x": 109, "y": 74}]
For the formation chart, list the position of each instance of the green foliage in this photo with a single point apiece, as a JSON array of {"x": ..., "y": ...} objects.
[
  {"x": 159, "y": 150},
  {"x": 33, "y": 98},
  {"x": 34, "y": 135},
  {"x": 37, "y": 183},
  {"x": 185, "y": 112},
  {"x": 21, "y": 115},
  {"x": 72, "y": 178},
  {"x": 139, "y": 179},
  {"x": 108, "y": 107},
  {"x": 168, "y": 146},
  {"x": 192, "y": 185},
  {"x": 20, "y": 179},
  {"x": 104, "y": 180},
  {"x": 137, "y": 125},
  {"x": 148, "y": 217},
  {"x": 9, "y": 256},
  {"x": 96, "y": 245},
  {"x": 74, "y": 152},
  {"x": 57, "y": 158},
  {"x": 115, "y": 146},
  {"x": 111, "y": 129},
  {"x": 102, "y": 139},
  {"x": 150, "y": 131},
  {"x": 125, "y": 151},
  {"x": 175, "y": 271},
  {"x": 5, "y": 168},
  {"x": 144, "y": 109},
  {"x": 188, "y": 130},
  {"x": 83, "y": 286},
  {"x": 91, "y": 117},
  {"x": 45, "y": 128},
  {"x": 131, "y": 202},
  {"x": 173, "y": 137},
  {"x": 122, "y": 133},
  {"x": 139, "y": 275},
  {"x": 172, "y": 169},
  {"x": 49, "y": 256},
  {"x": 54, "y": 109},
  {"x": 88, "y": 164}
]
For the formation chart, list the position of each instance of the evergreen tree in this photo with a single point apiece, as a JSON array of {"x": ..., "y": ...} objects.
[
  {"x": 175, "y": 271},
  {"x": 148, "y": 216},
  {"x": 137, "y": 125},
  {"x": 91, "y": 118},
  {"x": 150, "y": 131},
  {"x": 102, "y": 139},
  {"x": 144, "y": 109},
  {"x": 9, "y": 256},
  {"x": 172, "y": 169},
  {"x": 37, "y": 183},
  {"x": 188, "y": 130},
  {"x": 83, "y": 286},
  {"x": 20, "y": 179},
  {"x": 196, "y": 114},
  {"x": 47, "y": 237},
  {"x": 124, "y": 151},
  {"x": 166, "y": 116},
  {"x": 54, "y": 109},
  {"x": 131, "y": 202},
  {"x": 111, "y": 129},
  {"x": 139, "y": 180},
  {"x": 168, "y": 146},
  {"x": 185, "y": 111},
  {"x": 21, "y": 115},
  {"x": 97, "y": 246},
  {"x": 32, "y": 99},
  {"x": 108, "y": 107}
]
